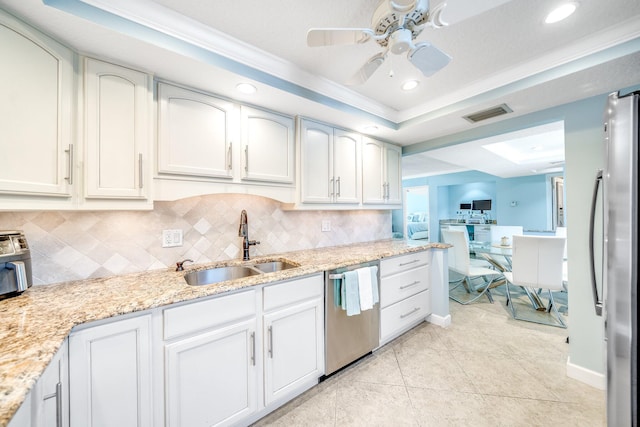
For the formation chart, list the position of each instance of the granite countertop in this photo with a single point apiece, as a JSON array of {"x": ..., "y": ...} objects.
[{"x": 34, "y": 325}]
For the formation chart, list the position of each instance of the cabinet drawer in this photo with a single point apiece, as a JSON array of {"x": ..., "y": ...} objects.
[
  {"x": 285, "y": 293},
  {"x": 399, "y": 316},
  {"x": 402, "y": 285},
  {"x": 404, "y": 262},
  {"x": 207, "y": 314}
]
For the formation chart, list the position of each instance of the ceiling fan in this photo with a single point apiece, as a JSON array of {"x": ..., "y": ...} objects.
[{"x": 395, "y": 25}]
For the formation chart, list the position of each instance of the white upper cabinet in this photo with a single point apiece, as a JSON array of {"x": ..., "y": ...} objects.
[
  {"x": 193, "y": 133},
  {"x": 36, "y": 106},
  {"x": 267, "y": 146},
  {"x": 346, "y": 166},
  {"x": 316, "y": 173},
  {"x": 330, "y": 171},
  {"x": 118, "y": 105},
  {"x": 381, "y": 173}
]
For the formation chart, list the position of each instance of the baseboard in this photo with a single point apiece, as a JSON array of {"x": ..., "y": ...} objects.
[
  {"x": 439, "y": 320},
  {"x": 592, "y": 378}
]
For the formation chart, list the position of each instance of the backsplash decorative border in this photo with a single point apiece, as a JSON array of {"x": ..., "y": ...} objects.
[{"x": 73, "y": 245}]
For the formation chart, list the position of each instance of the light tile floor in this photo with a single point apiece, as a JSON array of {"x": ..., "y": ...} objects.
[{"x": 486, "y": 369}]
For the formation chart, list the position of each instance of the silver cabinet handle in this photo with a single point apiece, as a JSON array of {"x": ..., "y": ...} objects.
[
  {"x": 338, "y": 182},
  {"x": 332, "y": 186},
  {"x": 140, "y": 174},
  {"x": 402, "y": 264},
  {"x": 410, "y": 285},
  {"x": 230, "y": 156},
  {"x": 402, "y": 316},
  {"x": 253, "y": 348},
  {"x": 59, "y": 404},
  {"x": 270, "y": 331},
  {"x": 69, "y": 176},
  {"x": 246, "y": 158}
]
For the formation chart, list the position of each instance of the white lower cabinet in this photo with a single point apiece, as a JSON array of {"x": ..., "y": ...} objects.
[
  {"x": 47, "y": 404},
  {"x": 405, "y": 298},
  {"x": 293, "y": 328},
  {"x": 110, "y": 374},
  {"x": 211, "y": 372}
]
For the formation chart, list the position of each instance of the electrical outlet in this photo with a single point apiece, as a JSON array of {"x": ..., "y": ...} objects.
[
  {"x": 326, "y": 225},
  {"x": 171, "y": 238}
]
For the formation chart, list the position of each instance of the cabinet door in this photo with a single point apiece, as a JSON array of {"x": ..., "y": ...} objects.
[
  {"x": 346, "y": 166},
  {"x": 393, "y": 173},
  {"x": 373, "y": 179},
  {"x": 110, "y": 374},
  {"x": 316, "y": 154},
  {"x": 193, "y": 133},
  {"x": 117, "y": 102},
  {"x": 211, "y": 378},
  {"x": 52, "y": 391},
  {"x": 293, "y": 348},
  {"x": 267, "y": 146},
  {"x": 36, "y": 98}
]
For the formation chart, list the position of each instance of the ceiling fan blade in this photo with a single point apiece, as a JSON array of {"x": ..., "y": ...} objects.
[
  {"x": 455, "y": 11},
  {"x": 367, "y": 69},
  {"x": 337, "y": 36},
  {"x": 428, "y": 58}
]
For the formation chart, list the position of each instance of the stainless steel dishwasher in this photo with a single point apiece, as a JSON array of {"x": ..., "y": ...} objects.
[{"x": 348, "y": 338}]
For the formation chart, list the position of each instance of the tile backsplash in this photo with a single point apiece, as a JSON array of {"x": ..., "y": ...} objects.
[{"x": 71, "y": 245}]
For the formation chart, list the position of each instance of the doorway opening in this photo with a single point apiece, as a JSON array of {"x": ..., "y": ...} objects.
[{"x": 416, "y": 213}]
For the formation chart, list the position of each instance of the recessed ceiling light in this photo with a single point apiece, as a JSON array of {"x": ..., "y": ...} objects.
[
  {"x": 246, "y": 88},
  {"x": 410, "y": 84},
  {"x": 561, "y": 12}
]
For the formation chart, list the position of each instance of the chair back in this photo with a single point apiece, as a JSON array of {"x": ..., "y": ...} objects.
[
  {"x": 462, "y": 228},
  {"x": 459, "y": 259},
  {"x": 537, "y": 261},
  {"x": 500, "y": 231},
  {"x": 562, "y": 232}
]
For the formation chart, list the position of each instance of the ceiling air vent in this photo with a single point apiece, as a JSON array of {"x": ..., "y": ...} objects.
[{"x": 488, "y": 114}]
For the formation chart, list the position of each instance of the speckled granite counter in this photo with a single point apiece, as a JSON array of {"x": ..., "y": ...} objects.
[{"x": 35, "y": 324}]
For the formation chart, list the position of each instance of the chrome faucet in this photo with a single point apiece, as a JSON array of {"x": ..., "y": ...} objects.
[{"x": 244, "y": 233}]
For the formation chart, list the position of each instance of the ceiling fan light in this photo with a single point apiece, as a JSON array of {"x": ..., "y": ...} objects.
[
  {"x": 561, "y": 12},
  {"x": 400, "y": 41},
  {"x": 410, "y": 85}
]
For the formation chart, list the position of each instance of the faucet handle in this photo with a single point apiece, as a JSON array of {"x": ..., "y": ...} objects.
[{"x": 180, "y": 264}]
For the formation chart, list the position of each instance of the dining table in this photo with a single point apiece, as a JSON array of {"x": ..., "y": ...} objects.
[{"x": 499, "y": 256}]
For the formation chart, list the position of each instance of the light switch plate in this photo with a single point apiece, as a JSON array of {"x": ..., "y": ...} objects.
[{"x": 326, "y": 225}]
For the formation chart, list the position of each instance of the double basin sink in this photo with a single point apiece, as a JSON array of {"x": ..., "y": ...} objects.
[{"x": 221, "y": 274}]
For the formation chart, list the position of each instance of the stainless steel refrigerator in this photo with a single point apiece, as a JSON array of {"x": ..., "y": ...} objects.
[{"x": 617, "y": 300}]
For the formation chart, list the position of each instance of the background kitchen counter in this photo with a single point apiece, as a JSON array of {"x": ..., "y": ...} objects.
[{"x": 34, "y": 325}]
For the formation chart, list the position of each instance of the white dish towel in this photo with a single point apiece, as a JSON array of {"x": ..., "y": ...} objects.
[{"x": 365, "y": 288}]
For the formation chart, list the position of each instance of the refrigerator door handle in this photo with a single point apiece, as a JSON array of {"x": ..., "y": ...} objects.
[{"x": 597, "y": 299}]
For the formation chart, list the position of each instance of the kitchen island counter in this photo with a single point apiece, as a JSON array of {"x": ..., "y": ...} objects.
[{"x": 35, "y": 324}]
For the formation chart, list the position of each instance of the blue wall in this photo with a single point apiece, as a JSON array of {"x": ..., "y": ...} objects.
[{"x": 531, "y": 194}]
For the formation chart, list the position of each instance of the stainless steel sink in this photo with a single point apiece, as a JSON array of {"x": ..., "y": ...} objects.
[
  {"x": 219, "y": 274},
  {"x": 271, "y": 266}
]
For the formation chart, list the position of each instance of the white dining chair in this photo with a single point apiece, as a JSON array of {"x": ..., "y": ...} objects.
[
  {"x": 475, "y": 262},
  {"x": 460, "y": 263},
  {"x": 537, "y": 265}
]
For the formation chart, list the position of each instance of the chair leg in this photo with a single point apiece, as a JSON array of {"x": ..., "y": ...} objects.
[
  {"x": 485, "y": 290},
  {"x": 552, "y": 306}
]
